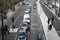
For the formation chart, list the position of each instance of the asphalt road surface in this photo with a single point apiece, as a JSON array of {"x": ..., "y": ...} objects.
[
  {"x": 18, "y": 17},
  {"x": 36, "y": 25}
]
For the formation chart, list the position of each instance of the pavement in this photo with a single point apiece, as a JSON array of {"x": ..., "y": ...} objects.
[
  {"x": 56, "y": 22},
  {"x": 51, "y": 35}
]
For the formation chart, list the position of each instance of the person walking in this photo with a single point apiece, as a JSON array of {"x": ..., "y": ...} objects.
[
  {"x": 52, "y": 20},
  {"x": 3, "y": 32},
  {"x": 7, "y": 29},
  {"x": 12, "y": 19},
  {"x": 50, "y": 25},
  {"x": 48, "y": 20}
]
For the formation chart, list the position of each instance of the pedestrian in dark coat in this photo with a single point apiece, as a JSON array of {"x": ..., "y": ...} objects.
[
  {"x": 52, "y": 20},
  {"x": 48, "y": 20},
  {"x": 7, "y": 29},
  {"x": 50, "y": 26}
]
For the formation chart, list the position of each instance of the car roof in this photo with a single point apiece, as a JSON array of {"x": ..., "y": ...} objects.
[
  {"x": 26, "y": 15},
  {"x": 26, "y": 11}
]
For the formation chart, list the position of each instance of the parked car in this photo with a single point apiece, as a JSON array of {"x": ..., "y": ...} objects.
[
  {"x": 21, "y": 34},
  {"x": 24, "y": 25},
  {"x": 27, "y": 3},
  {"x": 35, "y": 6},
  {"x": 23, "y": 3},
  {"x": 26, "y": 20},
  {"x": 26, "y": 16},
  {"x": 27, "y": 12}
]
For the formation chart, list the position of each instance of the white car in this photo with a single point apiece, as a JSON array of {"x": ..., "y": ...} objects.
[
  {"x": 26, "y": 16},
  {"x": 26, "y": 19},
  {"x": 24, "y": 26},
  {"x": 27, "y": 12}
]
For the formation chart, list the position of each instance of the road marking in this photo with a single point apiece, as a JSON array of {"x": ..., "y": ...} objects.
[{"x": 13, "y": 30}]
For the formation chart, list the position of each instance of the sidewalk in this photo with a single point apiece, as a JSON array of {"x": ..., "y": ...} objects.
[{"x": 51, "y": 35}]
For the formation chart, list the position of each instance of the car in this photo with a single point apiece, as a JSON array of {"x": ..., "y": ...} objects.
[
  {"x": 21, "y": 34},
  {"x": 26, "y": 16},
  {"x": 24, "y": 25},
  {"x": 23, "y": 3},
  {"x": 26, "y": 20},
  {"x": 27, "y": 12},
  {"x": 35, "y": 6},
  {"x": 29, "y": 0},
  {"x": 27, "y": 3}
]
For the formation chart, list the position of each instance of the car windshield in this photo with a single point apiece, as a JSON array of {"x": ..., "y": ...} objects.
[
  {"x": 27, "y": 18},
  {"x": 24, "y": 25},
  {"x": 22, "y": 34}
]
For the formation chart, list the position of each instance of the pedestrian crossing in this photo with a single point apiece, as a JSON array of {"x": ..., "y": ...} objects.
[{"x": 13, "y": 30}]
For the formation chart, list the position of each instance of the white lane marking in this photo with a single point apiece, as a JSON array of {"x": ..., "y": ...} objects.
[{"x": 13, "y": 30}]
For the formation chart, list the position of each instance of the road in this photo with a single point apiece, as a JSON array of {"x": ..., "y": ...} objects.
[
  {"x": 36, "y": 25},
  {"x": 18, "y": 16},
  {"x": 56, "y": 22}
]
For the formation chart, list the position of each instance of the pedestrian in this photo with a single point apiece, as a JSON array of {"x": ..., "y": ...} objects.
[
  {"x": 50, "y": 26},
  {"x": 12, "y": 19},
  {"x": 48, "y": 20},
  {"x": 7, "y": 29},
  {"x": 3, "y": 33},
  {"x": 52, "y": 20}
]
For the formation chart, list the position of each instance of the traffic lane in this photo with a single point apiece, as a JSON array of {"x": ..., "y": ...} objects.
[
  {"x": 11, "y": 36},
  {"x": 36, "y": 24},
  {"x": 16, "y": 14},
  {"x": 20, "y": 17}
]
